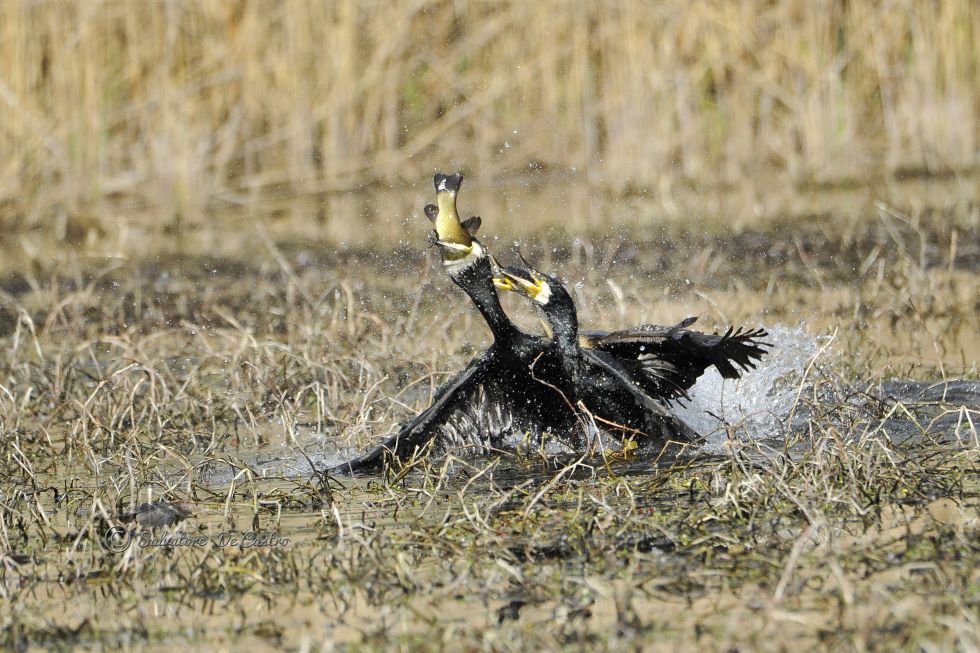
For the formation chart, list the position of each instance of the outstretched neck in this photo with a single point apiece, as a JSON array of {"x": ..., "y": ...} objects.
[
  {"x": 477, "y": 281},
  {"x": 488, "y": 303}
]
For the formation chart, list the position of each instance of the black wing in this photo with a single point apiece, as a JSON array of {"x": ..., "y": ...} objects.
[
  {"x": 674, "y": 427},
  {"x": 674, "y": 357},
  {"x": 451, "y": 399}
]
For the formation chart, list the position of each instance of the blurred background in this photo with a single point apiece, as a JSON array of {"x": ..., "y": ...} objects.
[{"x": 179, "y": 110}]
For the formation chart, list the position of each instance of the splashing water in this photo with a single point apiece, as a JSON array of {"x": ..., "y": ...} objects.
[
  {"x": 759, "y": 403},
  {"x": 758, "y": 406},
  {"x": 282, "y": 460}
]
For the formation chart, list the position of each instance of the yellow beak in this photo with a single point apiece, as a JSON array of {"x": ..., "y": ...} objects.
[{"x": 516, "y": 284}]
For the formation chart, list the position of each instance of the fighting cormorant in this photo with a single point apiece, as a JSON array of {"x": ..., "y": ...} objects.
[
  {"x": 498, "y": 392},
  {"x": 664, "y": 360},
  {"x": 522, "y": 384}
]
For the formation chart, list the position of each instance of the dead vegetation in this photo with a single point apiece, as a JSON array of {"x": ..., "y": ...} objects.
[
  {"x": 180, "y": 108},
  {"x": 211, "y": 382}
]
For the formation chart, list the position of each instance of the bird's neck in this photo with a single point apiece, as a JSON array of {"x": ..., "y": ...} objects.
[
  {"x": 564, "y": 326},
  {"x": 477, "y": 281}
]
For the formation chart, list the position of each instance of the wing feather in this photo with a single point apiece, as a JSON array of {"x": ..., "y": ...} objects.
[
  {"x": 676, "y": 425},
  {"x": 673, "y": 357},
  {"x": 419, "y": 431}
]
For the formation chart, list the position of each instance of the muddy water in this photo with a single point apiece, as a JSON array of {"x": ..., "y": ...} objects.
[
  {"x": 552, "y": 207},
  {"x": 556, "y": 207}
]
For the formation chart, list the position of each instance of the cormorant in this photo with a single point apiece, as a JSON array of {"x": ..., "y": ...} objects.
[
  {"x": 498, "y": 392},
  {"x": 522, "y": 383},
  {"x": 664, "y": 360}
]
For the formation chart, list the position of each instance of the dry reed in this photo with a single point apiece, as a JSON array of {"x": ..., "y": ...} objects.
[{"x": 175, "y": 106}]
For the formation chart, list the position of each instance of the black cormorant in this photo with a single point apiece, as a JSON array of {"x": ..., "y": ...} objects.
[
  {"x": 664, "y": 360},
  {"x": 498, "y": 393},
  {"x": 522, "y": 384}
]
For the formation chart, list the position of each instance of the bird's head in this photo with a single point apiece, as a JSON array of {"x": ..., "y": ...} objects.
[
  {"x": 527, "y": 281},
  {"x": 548, "y": 293}
]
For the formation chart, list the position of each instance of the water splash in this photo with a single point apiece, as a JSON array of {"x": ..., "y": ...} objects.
[
  {"x": 759, "y": 403},
  {"x": 310, "y": 451},
  {"x": 318, "y": 449}
]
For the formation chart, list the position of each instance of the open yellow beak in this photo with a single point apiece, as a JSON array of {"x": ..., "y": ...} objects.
[{"x": 516, "y": 284}]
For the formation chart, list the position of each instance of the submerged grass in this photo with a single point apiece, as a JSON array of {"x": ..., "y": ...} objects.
[{"x": 208, "y": 379}]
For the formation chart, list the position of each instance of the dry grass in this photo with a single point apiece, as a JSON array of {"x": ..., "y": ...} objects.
[
  {"x": 175, "y": 323},
  {"x": 124, "y": 379},
  {"x": 180, "y": 107}
]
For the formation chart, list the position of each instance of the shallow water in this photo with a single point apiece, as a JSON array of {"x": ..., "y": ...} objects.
[
  {"x": 778, "y": 397},
  {"x": 723, "y": 254},
  {"x": 766, "y": 406}
]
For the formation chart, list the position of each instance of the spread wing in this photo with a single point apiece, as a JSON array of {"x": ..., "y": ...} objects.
[
  {"x": 672, "y": 358},
  {"x": 674, "y": 427},
  {"x": 451, "y": 402}
]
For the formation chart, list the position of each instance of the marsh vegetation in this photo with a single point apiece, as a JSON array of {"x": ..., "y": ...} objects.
[
  {"x": 185, "y": 107},
  {"x": 214, "y": 284},
  {"x": 835, "y": 506}
]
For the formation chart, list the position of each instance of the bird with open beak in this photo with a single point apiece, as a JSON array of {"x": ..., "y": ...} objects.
[
  {"x": 496, "y": 395},
  {"x": 663, "y": 360}
]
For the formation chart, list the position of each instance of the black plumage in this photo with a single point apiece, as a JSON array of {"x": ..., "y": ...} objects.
[
  {"x": 665, "y": 361},
  {"x": 522, "y": 385},
  {"x": 498, "y": 393},
  {"x": 674, "y": 357},
  {"x": 528, "y": 386}
]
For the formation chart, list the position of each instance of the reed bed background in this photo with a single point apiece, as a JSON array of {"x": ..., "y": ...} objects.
[
  {"x": 213, "y": 285},
  {"x": 176, "y": 106}
]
